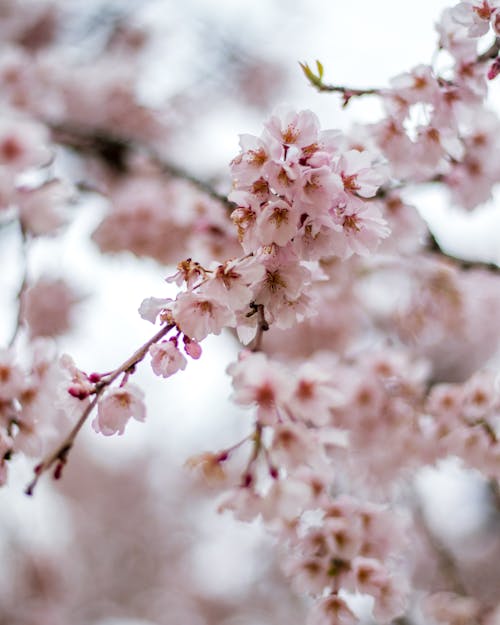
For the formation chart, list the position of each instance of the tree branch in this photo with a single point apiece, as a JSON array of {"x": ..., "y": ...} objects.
[
  {"x": 262, "y": 325},
  {"x": 115, "y": 150},
  {"x": 22, "y": 286},
  {"x": 466, "y": 265},
  {"x": 491, "y": 52},
  {"x": 59, "y": 455}
]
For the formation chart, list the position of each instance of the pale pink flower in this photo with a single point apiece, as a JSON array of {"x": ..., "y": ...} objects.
[
  {"x": 416, "y": 86},
  {"x": 285, "y": 500},
  {"x": 117, "y": 406},
  {"x": 257, "y": 380},
  {"x": 255, "y": 154},
  {"x": 408, "y": 229},
  {"x": 23, "y": 144},
  {"x": 284, "y": 175},
  {"x": 453, "y": 37},
  {"x": 139, "y": 223},
  {"x": 309, "y": 575},
  {"x": 332, "y": 610},
  {"x": 11, "y": 376},
  {"x": 243, "y": 502},
  {"x": 151, "y": 307},
  {"x": 318, "y": 186},
  {"x": 360, "y": 175},
  {"x": 313, "y": 395},
  {"x": 188, "y": 271},
  {"x": 449, "y": 607},
  {"x": 47, "y": 307},
  {"x": 293, "y": 445},
  {"x": 78, "y": 385},
  {"x": 390, "y": 599},
  {"x": 277, "y": 223},
  {"x": 198, "y": 315},
  {"x": 166, "y": 359},
  {"x": 245, "y": 219},
  {"x": 396, "y": 146},
  {"x": 232, "y": 282},
  {"x": 41, "y": 210},
  {"x": 368, "y": 575},
  {"x": 344, "y": 536},
  {"x": 192, "y": 348},
  {"x": 291, "y": 128},
  {"x": 284, "y": 282},
  {"x": 475, "y": 15},
  {"x": 362, "y": 228}
]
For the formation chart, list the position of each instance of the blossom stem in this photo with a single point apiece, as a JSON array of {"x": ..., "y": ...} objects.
[
  {"x": 59, "y": 456},
  {"x": 262, "y": 326}
]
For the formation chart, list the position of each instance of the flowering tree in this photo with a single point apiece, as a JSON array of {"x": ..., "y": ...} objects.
[{"x": 363, "y": 346}]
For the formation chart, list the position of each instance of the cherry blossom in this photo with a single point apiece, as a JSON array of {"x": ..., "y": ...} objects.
[
  {"x": 166, "y": 359},
  {"x": 117, "y": 407},
  {"x": 363, "y": 352}
]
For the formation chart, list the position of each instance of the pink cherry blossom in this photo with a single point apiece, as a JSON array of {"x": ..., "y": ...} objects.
[
  {"x": 197, "y": 315},
  {"x": 291, "y": 128},
  {"x": 166, "y": 359},
  {"x": 118, "y": 405}
]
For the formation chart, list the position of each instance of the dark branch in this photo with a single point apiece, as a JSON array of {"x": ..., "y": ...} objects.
[
  {"x": 466, "y": 265},
  {"x": 115, "y": 150}
]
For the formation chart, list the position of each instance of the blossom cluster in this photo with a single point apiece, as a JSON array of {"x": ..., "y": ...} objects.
[
  {"x": 295, "y": 187},
  {"x": 360, "y": 352}
]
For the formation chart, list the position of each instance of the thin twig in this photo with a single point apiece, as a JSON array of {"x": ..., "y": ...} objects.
[
  {"x": 59, "y": 455},
  {"x": 348, "y": 92}
]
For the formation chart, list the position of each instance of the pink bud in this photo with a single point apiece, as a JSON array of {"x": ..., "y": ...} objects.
[
  {"x": 247, "y": 480},
  {"x": 58, "y": 470},
  {"x": 494, "y": 69},
  {"x": 78, "y": 391},
  {"x": 192, "y": 348}
]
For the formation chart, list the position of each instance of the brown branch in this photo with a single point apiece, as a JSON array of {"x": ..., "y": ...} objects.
[
  {"x": 491, "y": 52},
  {"x": 494, "y": 494},
  {"x": 347, "y": 92},
  {"x": 114, "y": 150},
  {"x": 316, "y": 79},
  {"x": 22, "y": 287},
  {"x": 262, "y": 325},
  {"x": 59, "y": 455},
  {"x": 466, "y": 265}
]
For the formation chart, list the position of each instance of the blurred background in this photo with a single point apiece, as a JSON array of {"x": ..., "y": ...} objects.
[{"x": 128, "y": 536}]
